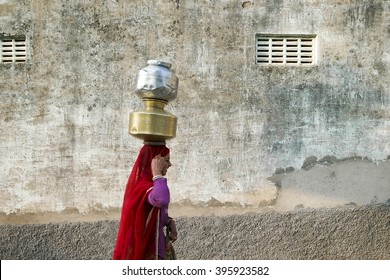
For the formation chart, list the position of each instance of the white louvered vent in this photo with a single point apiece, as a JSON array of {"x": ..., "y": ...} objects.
[
  {"x": 285, "y": 49},
  {"x": 13, "y": 49}
]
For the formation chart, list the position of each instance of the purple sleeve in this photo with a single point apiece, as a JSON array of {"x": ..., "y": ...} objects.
[{"x": 159, "y": 196}]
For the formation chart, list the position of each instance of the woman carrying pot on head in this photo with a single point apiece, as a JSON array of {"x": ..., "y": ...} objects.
[{"x": 144, "y": 217}]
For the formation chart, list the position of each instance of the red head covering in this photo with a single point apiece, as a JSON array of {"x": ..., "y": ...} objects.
[{"x": 137, "y": 227}]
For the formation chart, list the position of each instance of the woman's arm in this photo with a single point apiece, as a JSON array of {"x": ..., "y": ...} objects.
[{"x": 159, "y": 196}]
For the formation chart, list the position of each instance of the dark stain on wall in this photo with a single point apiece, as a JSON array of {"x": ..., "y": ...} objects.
[{"x": 367, "y": 11}]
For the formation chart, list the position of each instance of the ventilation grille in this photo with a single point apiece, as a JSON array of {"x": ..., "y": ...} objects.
[
  {"x": 285, "y": 49},
  {"x": 13, "y": 49}
]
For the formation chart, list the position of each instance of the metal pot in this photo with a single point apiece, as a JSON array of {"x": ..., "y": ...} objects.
[
  {"x": 156, "y": 85},
  {"x": 157, "y": 81}
]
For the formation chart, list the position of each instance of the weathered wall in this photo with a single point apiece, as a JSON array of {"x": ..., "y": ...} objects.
[
  {"x": 343, "y": 233},
  {"x": 64, "y": 114},
  {"x": 329, "y": 182}
]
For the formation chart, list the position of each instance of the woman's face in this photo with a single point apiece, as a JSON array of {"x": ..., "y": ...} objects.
[{"x": 167, "y": 164}]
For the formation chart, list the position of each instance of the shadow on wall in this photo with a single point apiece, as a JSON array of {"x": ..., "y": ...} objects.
[{"x": 331, "y": 183}]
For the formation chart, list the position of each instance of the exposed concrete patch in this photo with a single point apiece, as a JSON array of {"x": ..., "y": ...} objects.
[
  {"x": 329, "y": 160},
  {"x": 332, "y": 182},
  {"x": 251, "y": 199},
  {"x": 55, "y": 217},
  {"x": 188, "y": 209}
]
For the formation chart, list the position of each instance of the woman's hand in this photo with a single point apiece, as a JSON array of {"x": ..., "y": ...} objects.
[
  {"x": 157, "y": 165},
  {"x": 172, "y": 230}
]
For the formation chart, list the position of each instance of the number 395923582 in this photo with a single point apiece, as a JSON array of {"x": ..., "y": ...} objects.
[{"x": 236, "y": 270}]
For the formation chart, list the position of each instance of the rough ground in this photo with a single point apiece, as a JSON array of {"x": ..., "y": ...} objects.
[{"x": 349, "y": 232}]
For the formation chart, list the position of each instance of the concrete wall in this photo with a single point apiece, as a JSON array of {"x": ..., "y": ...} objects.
[
  {"x": 64, "y": 114},
  {"x": 339, "y": 233}
]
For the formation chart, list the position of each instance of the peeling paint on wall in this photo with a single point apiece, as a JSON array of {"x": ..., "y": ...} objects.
[{"x": 332, "y": 182}]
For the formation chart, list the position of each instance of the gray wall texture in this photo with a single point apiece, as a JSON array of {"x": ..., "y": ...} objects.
[
  {"x": 285, "y": 138},
  {"x": 343, "y": 233},
  {"x": 64, "y": 113}
]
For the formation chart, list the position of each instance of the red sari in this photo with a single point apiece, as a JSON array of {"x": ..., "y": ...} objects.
[{"x": 137, "y": 228}]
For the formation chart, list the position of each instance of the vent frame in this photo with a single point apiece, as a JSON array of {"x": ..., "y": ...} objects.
[
  {"x": 13, "y": 49},
  {"x": 286, "y": 49}
]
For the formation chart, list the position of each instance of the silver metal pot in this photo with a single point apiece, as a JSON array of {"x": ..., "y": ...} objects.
[{"x": 157, "y": 81}]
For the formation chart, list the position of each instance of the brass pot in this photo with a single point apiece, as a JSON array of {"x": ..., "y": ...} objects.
[{"x": 153, "y": 123}]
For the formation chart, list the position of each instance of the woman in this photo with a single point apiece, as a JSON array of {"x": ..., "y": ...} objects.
[{"x": 145, "y": 209}]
